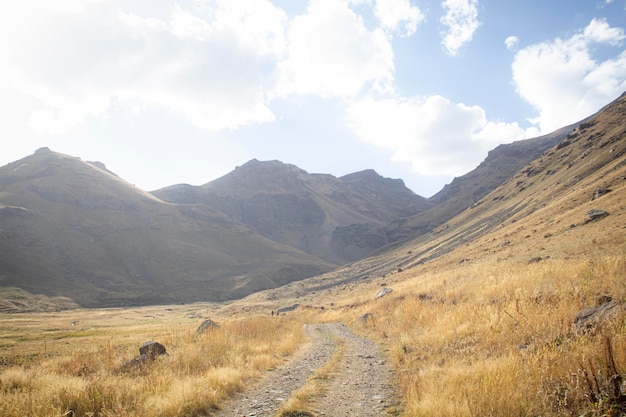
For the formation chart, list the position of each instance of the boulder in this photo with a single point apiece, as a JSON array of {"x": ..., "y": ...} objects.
[
  {"x": 605, "y": 309},
  {"x": 151, "y": 350},
  {"x": 208, "y": 324},
  {"x": 383, "y": 292},
  {"x": 148, "y": 352},
  {"x": 595, "y": 214}
]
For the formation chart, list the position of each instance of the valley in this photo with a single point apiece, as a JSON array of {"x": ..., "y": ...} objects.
[{"x": 505, "y": 291}]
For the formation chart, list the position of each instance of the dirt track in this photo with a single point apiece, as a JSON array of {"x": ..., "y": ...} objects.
[{"x": 363, "y": 385}]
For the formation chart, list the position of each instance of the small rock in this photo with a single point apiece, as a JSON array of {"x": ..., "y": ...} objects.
[
  {"x": 383, "y": 292},
  {"x": 535, "y": 259},
  {"x": 208, "y": 324},
  {"x": 366, "y": 317},
  {"x": 152, "y": 350},
  {"x": 600, "y": 192},
  {"x": 595, "y": 214}
]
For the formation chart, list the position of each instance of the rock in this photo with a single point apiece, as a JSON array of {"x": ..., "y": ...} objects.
[
  {"x": 148, "y": 352},
  {"x": 151, "y": 350},
  {"x": 600, "y": 192},
  {"x": 595, "y": 214},
  {"x": 605, "y": 309},
  {"x": 287, "y": 309},
  {"x": 43, "y": 150},
  {"x": 365, "y": 317},
  {"x": 208, "y": 324},
  {"x": 535, "y": 259},
  {"x": 383, "y": 292}
]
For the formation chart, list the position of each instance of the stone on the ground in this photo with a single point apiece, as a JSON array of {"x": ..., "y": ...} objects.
[
  {"x": 208, "y": 324},
  {"x": 151, "y": 350},
  {"x": 595, "y": 214},
  {"x": 383, "y": 292},
  {"x": 605, "y": 309}
]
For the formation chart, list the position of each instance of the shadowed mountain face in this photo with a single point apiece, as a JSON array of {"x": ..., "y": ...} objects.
[
  {"x": 72, "y": 228},
  {"x": 336, "y": 219}
]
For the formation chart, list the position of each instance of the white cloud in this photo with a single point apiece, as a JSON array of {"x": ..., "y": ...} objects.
[
  {"x": 511, "y": 42},
  {"x": 211, "y": 63},
  {"x": 394, "y": 14},
  {"x": 460, "y": 21},
  {"x": 562, "y": 80},
  {"x": 434, "y": 134},
  {"x": 332, "y": 54},
  {"x": 600, "y": 31}
]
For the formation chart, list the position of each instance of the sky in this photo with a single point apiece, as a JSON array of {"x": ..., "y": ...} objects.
[{"x": 167, "y": 92}]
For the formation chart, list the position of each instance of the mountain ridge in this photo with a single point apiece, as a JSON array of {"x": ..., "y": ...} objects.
[
  {"x": 317, "y": 213},
  {"x": 74, "y": 229},
  {"x": 67, "y": 227}
]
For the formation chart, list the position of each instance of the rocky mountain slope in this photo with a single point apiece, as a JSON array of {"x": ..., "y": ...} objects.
[
  {"x": 71, "y": 228},
  {"x": 463, "y": 192},
  {"x": 336, "y": 219},
  {"x": 568, "y": 202}
]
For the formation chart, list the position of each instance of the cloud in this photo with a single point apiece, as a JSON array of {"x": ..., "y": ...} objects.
[
  {"x": 394, "y": 14},
  {"x": 511, "y": 42},
  {"x": 563, "y": 81},
  {"x": 332, "y": 54},
  {"x": 210, "y": 63},
  {"x": 460, "y": 21},
  {"x": 434, "y": 134}
]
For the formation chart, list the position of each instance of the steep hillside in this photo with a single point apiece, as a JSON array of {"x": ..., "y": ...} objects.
[
  {"x": 501, "y": 163},
  {"x": 336, "y": 219},
  {"x": 71, "y": 228}
]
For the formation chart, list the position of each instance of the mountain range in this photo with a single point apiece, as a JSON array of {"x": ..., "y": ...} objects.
[{"x": 72, "y": 228}]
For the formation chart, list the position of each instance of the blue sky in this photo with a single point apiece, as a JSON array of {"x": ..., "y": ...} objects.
[{"x": 170, "y": 92}]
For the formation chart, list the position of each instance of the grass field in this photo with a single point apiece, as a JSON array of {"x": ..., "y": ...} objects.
[
  {"x": 71, "y": 363},
  {"x": 475, "y": 340}
]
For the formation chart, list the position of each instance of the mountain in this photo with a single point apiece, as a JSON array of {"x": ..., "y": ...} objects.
[
  {"x": 72, "y": 228},
  {"x": 567, "y": 203},
  {"x": 463, "y": 192},
  {"x": 336, "y": 219}
]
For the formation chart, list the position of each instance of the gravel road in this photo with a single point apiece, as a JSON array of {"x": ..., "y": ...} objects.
[{"x": 363, "y": 386}]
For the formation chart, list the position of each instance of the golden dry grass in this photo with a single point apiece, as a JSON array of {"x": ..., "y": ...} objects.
[
  {"x": 493, "y": 338},
  {"x": 499, "y": 340},
  {"x": 84, "y": 374}
]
